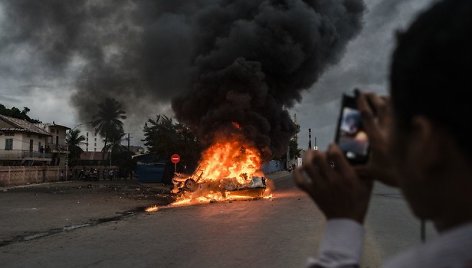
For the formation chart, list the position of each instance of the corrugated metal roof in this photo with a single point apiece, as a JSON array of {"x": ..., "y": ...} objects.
[{"x": 23, "y": 126}]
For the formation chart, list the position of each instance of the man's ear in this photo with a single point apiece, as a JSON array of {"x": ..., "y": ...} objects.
[{"x": 429, "y": 143}]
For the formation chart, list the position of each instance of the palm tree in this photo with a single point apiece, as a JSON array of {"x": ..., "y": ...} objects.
[
  {"x": 114, "y": 142},
  {"x": 73, "y": 140},
  {"x": 108, "y": 119}
]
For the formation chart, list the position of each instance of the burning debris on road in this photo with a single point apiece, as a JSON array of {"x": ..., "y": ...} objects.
[
  {"x": 230, "y": 169},
  {"x": 151, "y": 209}
]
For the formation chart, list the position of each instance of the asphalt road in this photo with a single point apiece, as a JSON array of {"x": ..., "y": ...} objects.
[{"x": 281, "y": 232}]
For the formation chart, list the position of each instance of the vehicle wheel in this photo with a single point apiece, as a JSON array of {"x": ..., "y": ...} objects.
[{"x": 191, "y": 185}]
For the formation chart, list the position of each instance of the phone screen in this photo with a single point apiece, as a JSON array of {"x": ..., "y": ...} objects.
[{"x": 352, "y": 138}]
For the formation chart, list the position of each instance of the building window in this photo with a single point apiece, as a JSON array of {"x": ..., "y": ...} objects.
[
  {"x": 57, "y": 140},
  {"x": 31, "y": 145},
  {"x": 8, "y": 144}
]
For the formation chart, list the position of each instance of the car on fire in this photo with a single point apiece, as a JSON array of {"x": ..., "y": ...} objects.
[{"x": 188, "y": 184}]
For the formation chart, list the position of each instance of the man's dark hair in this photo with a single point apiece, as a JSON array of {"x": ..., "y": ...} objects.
[{"x": 431, "y": 72}]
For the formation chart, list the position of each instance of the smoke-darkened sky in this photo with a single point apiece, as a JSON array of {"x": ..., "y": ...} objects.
[
  {"x": 365, "y": 65},
  {"x": 26, "y": 81}
]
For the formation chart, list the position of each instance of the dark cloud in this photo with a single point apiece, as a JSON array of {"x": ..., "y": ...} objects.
[{"x": 124, "y": 49}]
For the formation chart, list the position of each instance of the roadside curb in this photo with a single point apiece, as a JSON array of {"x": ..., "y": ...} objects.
[{"x": 2, "y": 189}]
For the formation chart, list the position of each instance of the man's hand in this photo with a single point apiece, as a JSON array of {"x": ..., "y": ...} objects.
[
  {"x": 334, "y": 185},
  {"x": 377, "y": 120}
]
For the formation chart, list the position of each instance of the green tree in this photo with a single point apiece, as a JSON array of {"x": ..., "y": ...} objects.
[
  {"x": 293, "y": 148},
  {"x": 294, "y": 151},
  {"x": 160, "y": 135},
  {"x": 120, "y": 156},
  {"x": 164, "y": 137},
  {"x": 114, "y": 141},
  {"x": 107, "y": 120},
  {"x": 188, "y": 146},
  {"x": 17, "y": 113},
  {"x": 73, "y": 140}
]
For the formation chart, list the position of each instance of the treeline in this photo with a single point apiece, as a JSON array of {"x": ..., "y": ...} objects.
[
  {"x": 164, "y": 137},
  {"x": 17, "y": 113}
]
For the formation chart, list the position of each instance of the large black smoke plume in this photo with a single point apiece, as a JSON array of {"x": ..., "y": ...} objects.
[
  {"x": 253, "y": 58},
  {"x": 220, "y": 61}
]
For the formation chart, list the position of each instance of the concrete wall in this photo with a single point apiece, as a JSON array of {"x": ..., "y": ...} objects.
[{"x": 21, "y": 175}]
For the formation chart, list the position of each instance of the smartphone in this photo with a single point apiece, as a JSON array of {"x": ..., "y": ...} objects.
[{"x": 350, "y": 133}]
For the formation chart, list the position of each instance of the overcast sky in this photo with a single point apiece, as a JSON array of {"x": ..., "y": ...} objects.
[{"x": 365, "y": 65}]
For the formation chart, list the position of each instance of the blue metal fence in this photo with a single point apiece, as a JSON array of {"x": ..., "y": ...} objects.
[{"x": 272, "y": 166}]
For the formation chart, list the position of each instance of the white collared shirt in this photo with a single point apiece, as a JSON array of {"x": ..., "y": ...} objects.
[{"x": 342, "y": 243}]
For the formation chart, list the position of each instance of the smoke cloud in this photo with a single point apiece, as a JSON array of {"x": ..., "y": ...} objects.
[
  {"x": 254, "y": 58},
  {"x": 219, "y": 61}
]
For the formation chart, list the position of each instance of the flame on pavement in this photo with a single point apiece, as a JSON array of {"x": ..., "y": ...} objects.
[{"x": 152, "y": 209}]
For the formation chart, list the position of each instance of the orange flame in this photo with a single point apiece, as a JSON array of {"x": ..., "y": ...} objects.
[
  {"x": 226, "y": 171},
  {"x": 152, "y": 209},
  {"x": 229, "y": 159}
]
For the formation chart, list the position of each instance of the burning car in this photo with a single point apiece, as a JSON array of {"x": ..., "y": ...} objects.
[
  {"x": 229, "y": 169},
  {"x": 225, "y": 186}
]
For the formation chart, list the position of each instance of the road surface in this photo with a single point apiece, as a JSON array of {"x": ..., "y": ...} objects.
[{"x": 281, "y": 232}]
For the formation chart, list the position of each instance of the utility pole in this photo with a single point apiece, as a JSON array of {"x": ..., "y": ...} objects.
[
  {"x": 128, "y": 141},
  {"x": 288, "y": 156},
  {"x": 129, "y": 151},
  {"x": 67, "y": 160},
  {"x": 309, "y": 138}
]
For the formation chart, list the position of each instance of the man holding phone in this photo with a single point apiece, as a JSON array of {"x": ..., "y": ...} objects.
[{"x": 420, "y": 141}]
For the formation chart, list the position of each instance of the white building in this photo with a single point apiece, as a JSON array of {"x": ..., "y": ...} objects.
[
  {"x": 93, "y": 142},
  {"x": 23, "y": 143},
  {"x": 56, "y": 142}
]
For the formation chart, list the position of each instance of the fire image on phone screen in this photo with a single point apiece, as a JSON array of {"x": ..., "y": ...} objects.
[{"x": 353, "y": 139}]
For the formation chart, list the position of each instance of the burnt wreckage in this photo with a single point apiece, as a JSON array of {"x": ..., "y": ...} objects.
[{"x": 254, "y": 187}]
